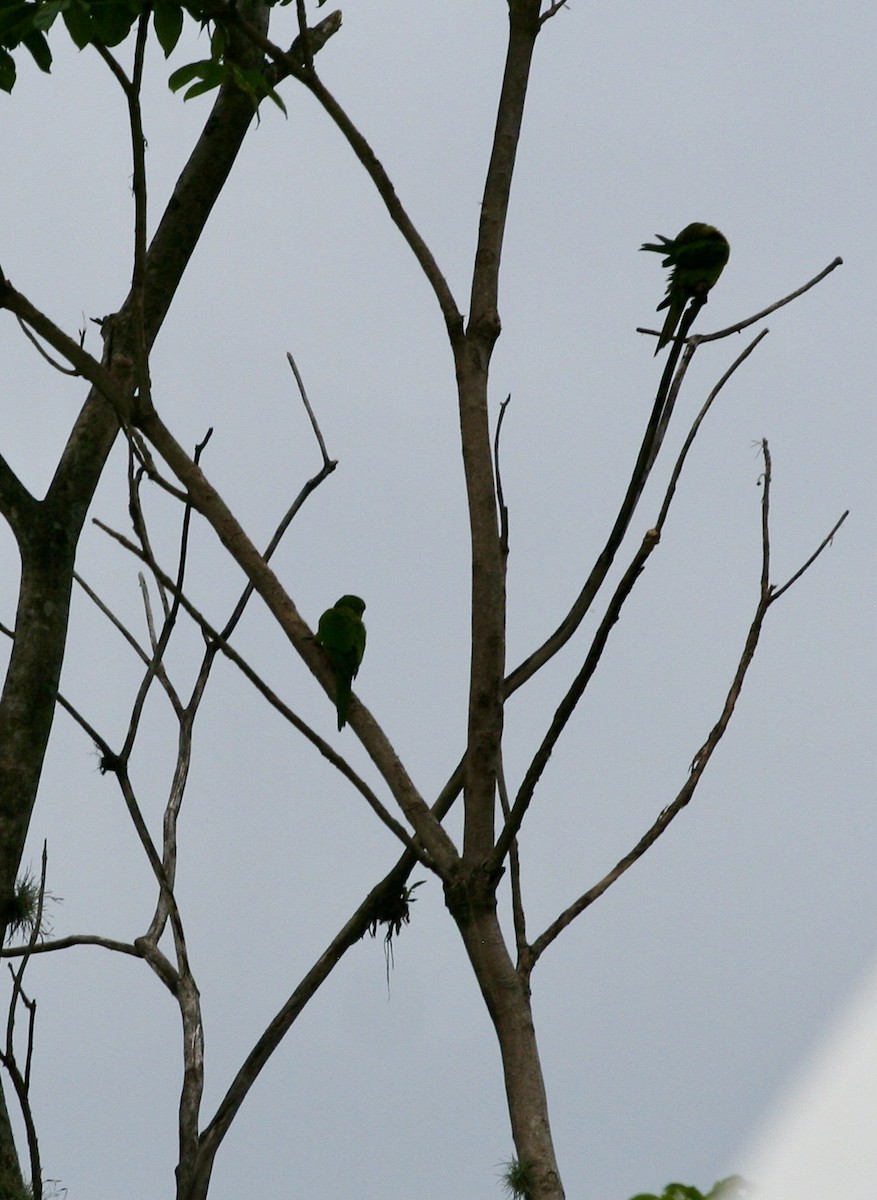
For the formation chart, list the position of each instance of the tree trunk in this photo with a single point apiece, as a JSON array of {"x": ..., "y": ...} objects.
[{"x": 507, "y": 996}]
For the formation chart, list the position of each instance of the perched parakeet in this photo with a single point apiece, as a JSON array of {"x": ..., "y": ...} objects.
[
  {"x": 698, "y": 256},
  {"x": 341, "y": 633}
]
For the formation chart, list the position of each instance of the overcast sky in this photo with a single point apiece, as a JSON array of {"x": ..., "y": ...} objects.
[{"x": 680, "y": 1009}]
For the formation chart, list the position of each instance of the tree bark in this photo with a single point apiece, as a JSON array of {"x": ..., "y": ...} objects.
[{"x": 506, "y": 993}]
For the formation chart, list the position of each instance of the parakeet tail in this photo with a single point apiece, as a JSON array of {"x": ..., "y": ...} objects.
[
  {"x": 675, "y": 307},
  {"x": 342, "y": 700}
]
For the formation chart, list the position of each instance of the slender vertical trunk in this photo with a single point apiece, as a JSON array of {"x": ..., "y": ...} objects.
[
  {"x": 507, "y": 996},
  {"x": 471, "y": 896},
  {"x": 472, "y": 353},
  {"x": 488, "y": 603}
]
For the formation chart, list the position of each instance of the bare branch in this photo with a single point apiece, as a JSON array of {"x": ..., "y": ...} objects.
[
  {"x": 523, "y": 31},
  {"x": 149, "y": 954},
  {"x": 209, "y": 503},
  {"x": 767, "y": 596},
  {"x": 310, "y": 486},
  {"x": 696, "y": 424},
  {"x": 86, "y": 366},
  {"x": 454, "y": 784},
  {"x": 117, "y": 764},
  {"x": 722, "y": 333},
  {"x": 74, "y": 939},
  {"x": 567, "y": 705},
  {"x": 350, "y": 933},
  {"x": 40, "y": 349},
  {"x": 826, "y": 541},
  {"x": 116, "y": 69},
  {"x": 112, "y": 618},
  {"x": 654, "y": 432},
  {"x": 354, "y": 929},
  {"x": 328, "y": 464},
  {"x": 291, "y": 62},
  {"x": 220, "y": 640},
  {"x": 551, "y": 10},
  {"x": 147, "y": 607}
]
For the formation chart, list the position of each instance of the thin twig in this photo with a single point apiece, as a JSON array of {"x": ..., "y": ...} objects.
[
  {"x": 554, "y": 8},
  {"x": 86, "y": 365},
  {"x": 147, "y": 608},
  {"x": 500, "y": 498},
  {"x": 519, "y": 918},
  {"x": 722, "y": 333},
  {"x": 696, "y": 424},
  {"x": 304, "y": 36},
  {"x": 826, "y": 541},
  {"x": 328, "y": 463},
  {"x": 135, "y": 509},
  {"x": 74, "y": 939},
  {"x": 132, "y": 88},
  {"x": 113, "y": 619},
  {"x": 150, "y": 954},
  {"x": 40, "y": 349}
]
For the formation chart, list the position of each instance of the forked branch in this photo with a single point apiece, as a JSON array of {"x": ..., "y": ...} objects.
[{"x": 767, "y": 596}]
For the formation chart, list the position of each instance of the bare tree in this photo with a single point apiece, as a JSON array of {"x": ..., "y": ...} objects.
[{"x": 247, "y": 66}]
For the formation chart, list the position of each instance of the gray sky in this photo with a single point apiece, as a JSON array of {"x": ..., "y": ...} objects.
[{"x": 674, "y": 1013}]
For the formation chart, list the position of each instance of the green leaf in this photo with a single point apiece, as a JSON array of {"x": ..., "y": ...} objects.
[
  {"x": 168, "y": 22},
  {"x": 78, "y": 22},
  {"x": 218, "y": 43},
  {"x": 272, "y": 95},
  {"x": 7, "y": 71},
  {"x": 15, "y": 21},
  {"x": 209, "y": 73},
  {"x": 111, "y": 20},
  {"x": 253, "y": 83},
  {"x": 39, "y": 48},
  {"x": 44, "y": 17},
  {"x": 206, "y": 85},
  {"x": 186, "y": 74}
]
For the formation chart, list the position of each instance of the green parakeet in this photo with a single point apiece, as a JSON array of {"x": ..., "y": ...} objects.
[
  {"x": 341, "y": 633},
  {"x": 698, "y": 256}
]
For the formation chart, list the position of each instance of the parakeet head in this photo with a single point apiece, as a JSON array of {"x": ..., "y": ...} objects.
[
  {"x": 352, "y": 602},
  {"x": 697, "y": 230}
]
